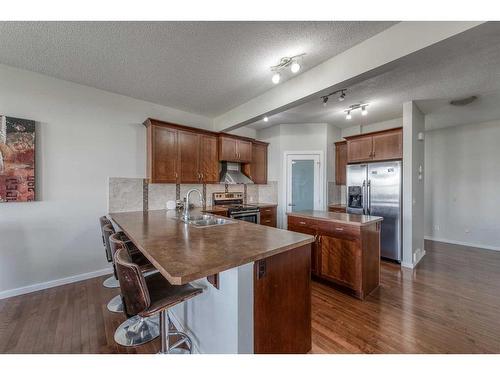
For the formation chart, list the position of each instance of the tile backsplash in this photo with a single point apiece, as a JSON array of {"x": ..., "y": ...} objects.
[{"x": 125, "y": 194}]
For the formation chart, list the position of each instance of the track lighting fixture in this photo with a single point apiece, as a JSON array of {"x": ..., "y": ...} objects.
[
  {"x": 353, "y": 107},
  {"x": 285, "y": 62},
  {"x": 340, "y": 98}
]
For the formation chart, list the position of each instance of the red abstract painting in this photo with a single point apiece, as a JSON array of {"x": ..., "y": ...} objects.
[{"x": 17, "y": 160}]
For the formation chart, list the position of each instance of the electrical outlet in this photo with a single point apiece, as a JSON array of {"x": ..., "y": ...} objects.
[
  {"x": 467, "y": 230},
  {"x": 436, "y": 228}
]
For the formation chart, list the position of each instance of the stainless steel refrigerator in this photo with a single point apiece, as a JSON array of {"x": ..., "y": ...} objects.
[{"x": 376, "y": 189}]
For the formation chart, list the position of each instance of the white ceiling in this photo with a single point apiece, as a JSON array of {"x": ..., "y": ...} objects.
[
  {"x": 201, "y": 67},
  {"x": 467, "y": 64}
]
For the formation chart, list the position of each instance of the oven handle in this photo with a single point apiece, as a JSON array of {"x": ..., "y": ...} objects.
[{"x": 235, "y": 215}]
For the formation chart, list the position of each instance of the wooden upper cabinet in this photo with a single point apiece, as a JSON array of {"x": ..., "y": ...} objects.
[
  {"x": 209, "y": 160},
  {"x": 235, "y": 149},
  {"x": 340, "y": 162},
  {"x": 377, "y": 146},
  {"x": 162, "y": 154},
  {"x": 256, "y": 170},
  {"x": 388, "y": 145},
  {"x": 189, "y": 156},
  {"x": 359, "y": 149},
  {"x": 228, "y": 149},
  {"x": 244, "y": 149}
]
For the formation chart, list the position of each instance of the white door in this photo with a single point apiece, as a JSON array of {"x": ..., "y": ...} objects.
[{"x": 303, "y": 182}]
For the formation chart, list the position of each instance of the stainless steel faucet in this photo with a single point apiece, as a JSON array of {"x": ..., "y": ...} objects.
[{"x": 185, "y": 214}]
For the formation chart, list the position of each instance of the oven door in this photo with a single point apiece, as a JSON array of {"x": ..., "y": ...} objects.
[{"x": 251, "y": 217}]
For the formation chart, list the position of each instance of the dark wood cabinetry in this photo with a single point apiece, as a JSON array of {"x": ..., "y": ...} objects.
[
  {"x": 340, "y": 162},
  {"x": 235, "y": 149},
  {"x": 179, "y": 154},
  {"x": 377, "y": 146},
  {"x": 346, "y": 255},
  {"x": 340, "y": 208},
  {"x": 268, "y": 216},
  {"x": 162, "y": 154},
  {"x": 257, "y": 169}
]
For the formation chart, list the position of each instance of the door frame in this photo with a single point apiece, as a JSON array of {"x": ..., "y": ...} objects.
[{"x": 321, "y": 178}]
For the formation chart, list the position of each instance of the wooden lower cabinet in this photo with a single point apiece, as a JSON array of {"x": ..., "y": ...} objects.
[
  {"x": 340, "y": 261},
  {"x": 282, "y": 302},
  {"x": 268, "y": 216},
  {"x": 346, "y": 255}
]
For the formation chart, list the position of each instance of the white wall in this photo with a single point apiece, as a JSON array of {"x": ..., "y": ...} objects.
[
  {"x": 413, "y": 185},
  {"x": 84, "y": 136},
  {"x": 462, "y": 184}
]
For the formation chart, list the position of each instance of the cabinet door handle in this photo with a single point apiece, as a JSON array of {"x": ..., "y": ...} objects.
[
  {"x": 268, "y": 210},
  {"x": 302, "y": 222},
  {"x": 339, "y": 229}
]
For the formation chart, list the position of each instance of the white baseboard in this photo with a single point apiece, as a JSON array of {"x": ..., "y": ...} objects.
[
  {"x": 53, "y": 283},
  {"x": 469, "y": 244},
  {"x": 180, "y": 327}
]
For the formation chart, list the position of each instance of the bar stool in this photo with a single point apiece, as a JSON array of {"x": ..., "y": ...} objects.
[
  {"x": 115, "y": 304},
  {"x": 146, "y": 329},
  {"x": 143, "y": 298},
  {"x": 112, "y": 281}
]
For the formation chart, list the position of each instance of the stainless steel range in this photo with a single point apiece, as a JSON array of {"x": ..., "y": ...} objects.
[{"x": 236, "y": 209}]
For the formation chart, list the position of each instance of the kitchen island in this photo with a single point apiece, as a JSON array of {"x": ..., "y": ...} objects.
[
  {"x": 262, "y": 304},
  {"x": 346, "y": 250}
]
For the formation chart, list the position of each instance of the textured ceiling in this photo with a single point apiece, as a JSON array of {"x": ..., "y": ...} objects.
[
  {"x": 467, "y": 64},
  {"x": 201, "y": 67}
]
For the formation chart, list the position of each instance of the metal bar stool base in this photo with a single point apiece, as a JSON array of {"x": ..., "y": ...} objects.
[
  {"x": 183, "y": 345},
  {"x": 138, "y": 330},
  {"x": 111, "y": 282},
  {"x": 115, "y": 304}
]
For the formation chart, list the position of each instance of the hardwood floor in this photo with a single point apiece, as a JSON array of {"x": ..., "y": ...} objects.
[{"x": 449, "y": 304}]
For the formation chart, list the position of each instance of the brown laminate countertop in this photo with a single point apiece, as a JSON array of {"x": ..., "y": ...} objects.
[
  {"x": 184, "y": 253},
  {"x": 337, "y": 217}
]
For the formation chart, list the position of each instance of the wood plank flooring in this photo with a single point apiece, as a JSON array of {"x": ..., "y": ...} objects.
[{"x": 449, "y": 304}]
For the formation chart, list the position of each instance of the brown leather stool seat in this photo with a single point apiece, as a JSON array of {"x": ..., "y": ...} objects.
[
  {"x": 144, "y": 297},
  {"x": 112, "y": 281},
  {"x": 120, "y": 240}
]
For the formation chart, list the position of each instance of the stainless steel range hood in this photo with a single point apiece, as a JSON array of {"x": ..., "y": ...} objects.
[{"x": 231, "y": 174}]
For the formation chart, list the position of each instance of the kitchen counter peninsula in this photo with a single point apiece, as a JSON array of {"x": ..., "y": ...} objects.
[{"x": 263, "y": 301}]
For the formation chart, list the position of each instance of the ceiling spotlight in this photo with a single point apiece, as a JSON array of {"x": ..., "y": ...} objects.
[
  {"x": 325, "y": 100},
  {"x": 348, "y": 116},
  {"x": 295, "y": 67},
  {"x": 342, "y": 96},
  {"x": 364, "y": 112},
  {"x": 276, "y": 78},
  {"x": 265, "y": 119}
]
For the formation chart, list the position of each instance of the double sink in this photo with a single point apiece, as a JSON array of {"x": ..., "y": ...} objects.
[{"x": 205, "y": 220}]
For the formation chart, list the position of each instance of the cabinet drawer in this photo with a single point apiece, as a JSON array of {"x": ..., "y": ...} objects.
[
  {"x": 268, "y": 221},
  {"x": 267, "y": 212},
  {"x": 348, "y": 232},
  {"x": 301, "y": 222}
]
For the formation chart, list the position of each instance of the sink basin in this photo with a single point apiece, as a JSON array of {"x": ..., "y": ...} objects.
[
  {"x": 210, "y": 222},
  {"x": 205, "y": 221}
]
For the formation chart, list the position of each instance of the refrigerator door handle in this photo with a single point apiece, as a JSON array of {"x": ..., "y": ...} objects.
[
  {"x": 364, "y": 197},
  {"x": 368, "y": 197}
]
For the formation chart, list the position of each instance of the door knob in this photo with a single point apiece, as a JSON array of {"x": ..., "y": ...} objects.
[{"x": 291, "y": 204}]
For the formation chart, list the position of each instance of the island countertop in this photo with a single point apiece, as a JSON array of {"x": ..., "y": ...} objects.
[
  {"x": 184, "y": 253},
  {"x": 337, "y": 217}
]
